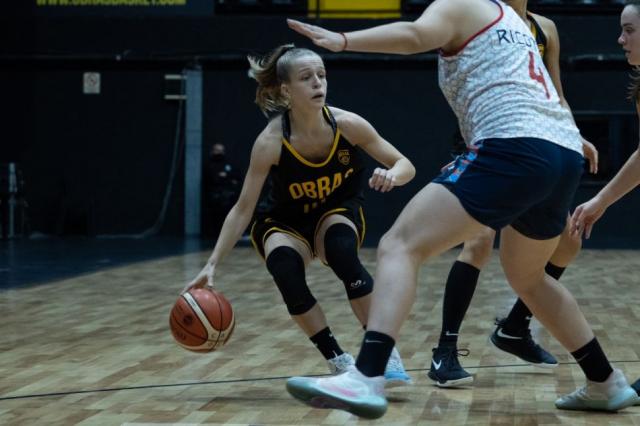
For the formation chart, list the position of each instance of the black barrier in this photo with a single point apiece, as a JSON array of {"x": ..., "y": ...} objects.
[{"x": 13, "y": 204}]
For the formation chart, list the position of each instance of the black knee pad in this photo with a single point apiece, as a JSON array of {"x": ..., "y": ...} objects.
[
  {"x": 341, "y": 252},
  {"x": 287, "y": 268}
]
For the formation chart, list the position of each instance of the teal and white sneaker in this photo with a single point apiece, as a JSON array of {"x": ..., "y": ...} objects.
[
  {"x": 611, "y": 395},
  {"x": 350, "y": 391},
  {"x": 394, "y": 373},
  {"x": 339, "y": 364}
]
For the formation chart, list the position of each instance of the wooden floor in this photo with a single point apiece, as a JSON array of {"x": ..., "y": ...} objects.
[{"x": 96, "y": 349}]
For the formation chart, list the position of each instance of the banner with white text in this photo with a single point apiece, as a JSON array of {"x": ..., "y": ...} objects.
[{"x": 123, "y": 8}]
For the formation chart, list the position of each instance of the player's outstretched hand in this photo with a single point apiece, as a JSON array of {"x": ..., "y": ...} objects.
[{"x": 319, "y": 36}]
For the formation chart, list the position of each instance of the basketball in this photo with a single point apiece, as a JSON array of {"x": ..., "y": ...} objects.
[{"x": 201, "y": 320}]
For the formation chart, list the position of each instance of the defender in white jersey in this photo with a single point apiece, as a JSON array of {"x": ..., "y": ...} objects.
[
  {"x": 503, "y": 63},
  {"x": 524, "y": 166},
  {"x": 512, "y": 333}
]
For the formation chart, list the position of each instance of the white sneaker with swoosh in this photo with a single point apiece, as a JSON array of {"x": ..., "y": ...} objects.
[
  {"x": 350, "y": 391},
  {"x": 612, "y": 395}
]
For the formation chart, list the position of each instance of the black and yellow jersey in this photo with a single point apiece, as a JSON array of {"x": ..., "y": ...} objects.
[
  {"x": 538, "y": 34},
  {"x": 299, "y": 186}
]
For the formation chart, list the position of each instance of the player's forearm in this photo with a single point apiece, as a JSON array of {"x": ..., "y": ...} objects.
[
  {"x": 234, "y": 225},
  {"x": 403, "y": 171},
  {"x": 397, "y": 37},
  {"x": 624, "y": 181}
]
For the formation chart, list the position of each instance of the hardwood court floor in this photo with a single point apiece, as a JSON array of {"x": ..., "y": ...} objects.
[{"x": 96, "y": 349}]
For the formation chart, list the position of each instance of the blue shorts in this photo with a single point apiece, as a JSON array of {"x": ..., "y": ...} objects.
[{"x": 527, "y": 183}]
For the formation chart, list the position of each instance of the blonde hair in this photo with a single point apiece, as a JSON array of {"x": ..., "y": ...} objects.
[
  {"x": 270, "y": 71},
  {"x": 634, "y": 87}
]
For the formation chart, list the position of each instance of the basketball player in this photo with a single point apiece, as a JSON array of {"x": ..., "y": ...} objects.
[
  {"x": 523, "y": 166},
  {"x": 314, "y": 157},
  {"x": 587, "y": 214},
  {"x": 512, "y": 334}
]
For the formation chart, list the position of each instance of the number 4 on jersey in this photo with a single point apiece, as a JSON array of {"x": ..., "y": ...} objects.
[{"x": 537, "y": 75}]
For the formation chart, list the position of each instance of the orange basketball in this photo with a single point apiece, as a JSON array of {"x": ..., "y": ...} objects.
[{"x": 202, "y": 320}]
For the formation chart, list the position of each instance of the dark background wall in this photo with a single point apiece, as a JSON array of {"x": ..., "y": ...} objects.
[{"x": 99, "y": 164}]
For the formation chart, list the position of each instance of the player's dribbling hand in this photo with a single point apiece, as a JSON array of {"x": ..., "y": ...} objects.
[
  {"x": 585, "y": 216},
  {"x": 319, "y": 36},
  {"x": 382, "y": 180},
  {"x": 203, "y": 279}
]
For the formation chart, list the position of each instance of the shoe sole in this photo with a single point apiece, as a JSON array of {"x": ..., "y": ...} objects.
[
  {"x": 537, "y": 365},
  {"x": 317, "y": 399},
  {"x": 465, "y": 381},
  {"x": 396, "y": 383}
]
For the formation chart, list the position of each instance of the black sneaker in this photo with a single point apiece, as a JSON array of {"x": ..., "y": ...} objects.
[
  {"x": 522, "y": 345},
  {"x": 636, "y": 387},
  {"x": 445, "y": 370}
]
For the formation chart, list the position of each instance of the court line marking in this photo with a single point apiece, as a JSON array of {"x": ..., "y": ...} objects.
[{"x": 256, "y": 379}]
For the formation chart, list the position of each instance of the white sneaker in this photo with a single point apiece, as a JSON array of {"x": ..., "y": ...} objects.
[
  {"x": 339, "y": 364},
  {"x": 394, "y": 373},
  {"x": 350, "y": 391},
  {"x": 611, "y": 395}
]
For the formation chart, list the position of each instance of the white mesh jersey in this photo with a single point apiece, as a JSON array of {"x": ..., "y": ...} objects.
[{"x": 498, "y": 86}]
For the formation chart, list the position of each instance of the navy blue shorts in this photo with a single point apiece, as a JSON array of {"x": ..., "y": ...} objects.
[{"x": 527, "y": 183}]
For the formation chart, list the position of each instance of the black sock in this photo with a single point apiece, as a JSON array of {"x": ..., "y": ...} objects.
[
  {"x": 374, "y": 354},
  {"x": 458, "y": 293},
  {"x": 326, "y": 343},
  {"x": 593, "y": 361},
  {"x": 518, "y": 319},
  {"x": 520, "y": 316}
]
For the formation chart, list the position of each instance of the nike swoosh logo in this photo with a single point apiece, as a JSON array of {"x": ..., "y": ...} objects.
[
  {"x": 436, "y": 364},
  {"x": 372, "y": 341},
  {"x": 450, "y": 334},
  {"x": 506, "y": 336},
  {"x": 582, "y": 358}
]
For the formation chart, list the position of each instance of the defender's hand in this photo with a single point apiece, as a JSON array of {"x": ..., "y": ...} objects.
[{"x": 330, "y": 40}]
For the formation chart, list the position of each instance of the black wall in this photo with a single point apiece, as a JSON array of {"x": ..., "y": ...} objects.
[{"x": 99, "y": 164}]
